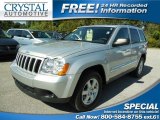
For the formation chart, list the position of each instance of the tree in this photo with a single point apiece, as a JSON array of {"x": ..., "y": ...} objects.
[
  {"x": 6, "y": 24},
  {"x": 152, "y": 31}
]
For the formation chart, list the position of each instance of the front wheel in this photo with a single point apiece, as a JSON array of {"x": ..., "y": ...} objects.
[{"x": 88, "y": 91}]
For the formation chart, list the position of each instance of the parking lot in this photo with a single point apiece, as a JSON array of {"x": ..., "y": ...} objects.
[{"x": 124, "y": 88}]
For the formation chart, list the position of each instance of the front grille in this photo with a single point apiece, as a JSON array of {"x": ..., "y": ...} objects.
[{"x": 29, "y": 63}]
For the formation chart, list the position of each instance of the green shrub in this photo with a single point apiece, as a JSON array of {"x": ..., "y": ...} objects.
[
  {"x": 156, "y": 35},
  {"x": 153, "y": 43}
]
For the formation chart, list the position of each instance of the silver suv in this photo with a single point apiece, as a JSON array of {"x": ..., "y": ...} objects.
[{"x": 75, "y": 68}]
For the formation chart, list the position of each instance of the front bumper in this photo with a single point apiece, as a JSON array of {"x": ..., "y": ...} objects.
[
  {"x": 56, "y": 88},
  {"x": 40, "y": 94}
]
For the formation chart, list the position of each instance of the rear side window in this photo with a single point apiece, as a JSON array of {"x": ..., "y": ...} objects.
[
  {"x": 122, "y": 33},
  {"x": 142, "y": 37},
  {"x": 25, "y": 33},
  {"x": 11, "y": 32},
  {"x": 18, "y": 33},
  {"x": 134, "y": 36}
]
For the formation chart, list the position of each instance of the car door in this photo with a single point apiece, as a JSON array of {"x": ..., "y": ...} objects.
[
  {"x": 120, "y": 56},
  {"x": 137, "y": 46}
]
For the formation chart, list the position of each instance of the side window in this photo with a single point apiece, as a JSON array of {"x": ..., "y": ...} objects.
[
  {"x": 143, "y": 39},
  {"x": 122, "y": 33},
  {"x": 18, "y": 33},
  {"x": 134, "y": 36},
  {"x": 11, "y": 32},
  {"x": 25, "y": 33}
]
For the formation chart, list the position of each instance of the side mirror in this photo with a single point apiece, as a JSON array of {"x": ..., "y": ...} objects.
[
  {"x": 120, "y": 42},
  {"x": 29, "y": 36}
]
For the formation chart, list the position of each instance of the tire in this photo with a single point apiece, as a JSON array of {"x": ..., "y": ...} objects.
[
  {"x": 90, "y": 85},
  {"x": 139, "y": 70}
]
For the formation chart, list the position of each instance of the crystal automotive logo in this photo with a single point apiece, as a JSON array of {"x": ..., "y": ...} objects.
[{"x": 26, "y": 9}]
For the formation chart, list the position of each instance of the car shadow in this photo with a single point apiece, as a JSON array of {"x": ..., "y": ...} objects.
[{"x": 109, "y": 91}]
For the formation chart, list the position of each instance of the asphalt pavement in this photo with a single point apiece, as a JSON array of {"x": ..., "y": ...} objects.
[{"x": 120, "y": 90}]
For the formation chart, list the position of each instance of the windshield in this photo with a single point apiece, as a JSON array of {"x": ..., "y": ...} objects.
[
  {"x": 55, "y": 35},
  {"x": 40, "y": 34},
  {"x": 3, "y": 34},
  {"x": 50, "y": 34},
  {"x": 91, "y": 34}
]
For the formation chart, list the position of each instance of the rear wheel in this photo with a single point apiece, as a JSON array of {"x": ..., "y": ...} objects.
[
  {"x": 139, "y": 70},
  {"x": 88, "y": 91}
]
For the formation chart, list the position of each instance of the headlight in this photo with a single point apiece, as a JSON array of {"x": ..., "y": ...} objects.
[{"x": 55, "y": 66}]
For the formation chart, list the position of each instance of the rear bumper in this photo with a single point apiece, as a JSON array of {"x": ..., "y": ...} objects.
[
  {"x": 40, "y": 94},
  {"x": 8, "y": 52},
  {"x": 5, "y": 53}
]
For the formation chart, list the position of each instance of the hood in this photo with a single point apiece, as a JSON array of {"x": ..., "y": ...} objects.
[
  {"x": 44, "y": 39},
  {"x": 8, "y": 41},
  {"x": 63, "y": 48}
]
